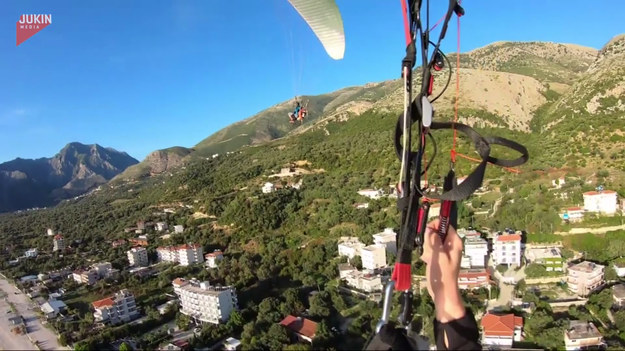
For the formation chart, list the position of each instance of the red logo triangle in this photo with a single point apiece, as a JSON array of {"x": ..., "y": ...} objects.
[{"x": 29, "y": 25}]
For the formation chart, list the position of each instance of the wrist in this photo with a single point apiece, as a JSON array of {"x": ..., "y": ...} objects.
[{"x": 449, "y": 305}]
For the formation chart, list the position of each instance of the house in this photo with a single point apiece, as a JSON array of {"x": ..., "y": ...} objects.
[
  {"x": 31, "y": 253},
  {"x": 361, "y": 205},
  {"x": 387, "y": 238},
  {"x": 551, "y": 258},
  {"x": 52, "y": 308},
  {"x": 163, "y": 308},
  {"x": 178, "y": 229},
  {"x": 139, "y": 241},
  {"x": 118, "y": 243},
  {"x": 138, "y": 256},
  {"x": 350, "y": 246},
  {"x": 573, "y": 214},
  {"x": 119, "y": 308},
  {"x": 473, "y": 279},
  {"x": 501, "y": 330},
  {"x": 88, "y": 277},
  {"x": 373, "y": 256},
  {"x": 345, "y": 269},
  {"x": 268, "y": 188},
  {"x": 50, "y": 232},
  {"x": 507, "y": 249},
  {"x": 476, "y": 249},
  {"x": 212, "y": 258},
  {"x": 618, "y": 295},
  {"x": 303, "y": 328},
  {"x": 185, "y": 255},
  {"x": 203, "y": 302},
  {"x": 366, "y": 282},
  {"x": 371, "y": 193},
  {"x": 582, "y": 335},
  {"x": 161, "y": 226},
  {"x": 58, "y": 243},
  {"x": 28, "y": 279},
  {"x": 600, "y": 201},
  {"x": 585, "y": 277},
  {"x": 619, "y": 267},
  {"x": 231, "y": 344}
]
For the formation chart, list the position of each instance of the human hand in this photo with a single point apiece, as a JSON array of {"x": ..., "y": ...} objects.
[{"x": 441, "y": 273}]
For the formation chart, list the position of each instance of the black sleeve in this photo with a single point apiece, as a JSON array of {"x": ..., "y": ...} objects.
[{"x": 462, "y": 334}]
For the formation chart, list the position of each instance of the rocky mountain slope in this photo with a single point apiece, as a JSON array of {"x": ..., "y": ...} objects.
[{"x": 77, "y": 168}]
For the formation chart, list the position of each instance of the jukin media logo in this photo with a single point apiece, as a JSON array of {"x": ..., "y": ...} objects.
[{"x": 29, "y": 25}]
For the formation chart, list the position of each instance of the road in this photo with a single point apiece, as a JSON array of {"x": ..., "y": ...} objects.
[
  {"x": 36, "y": 331},
  {"x": 592, "y": 230},
  {"x": 506, "y": 291},
  {"x": 8, "y": 340}
]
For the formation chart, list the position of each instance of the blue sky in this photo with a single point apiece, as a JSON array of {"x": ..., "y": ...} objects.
[{"x": 148, "y": 74}]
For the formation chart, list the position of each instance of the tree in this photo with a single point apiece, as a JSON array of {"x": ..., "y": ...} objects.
[
  {"x": 63, "y": 340},
  {"x": 320, "y": 305},
  {"x": 610, "y": 273},
  {"x": 356, "y": 261},
  {"x": 323, "y": 336},
  {"x": 183, "y": 321},
  {"x": 125, "y": 347},
  {"x": 276, "y": 337},
  {"x": 235, "y": 321}
]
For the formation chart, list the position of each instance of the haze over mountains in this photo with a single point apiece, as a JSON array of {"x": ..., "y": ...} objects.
[
  {"x": 568, "y": 99},
  {"x": 77, "y": 168}
]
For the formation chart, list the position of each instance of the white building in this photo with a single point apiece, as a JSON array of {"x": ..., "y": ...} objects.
[
  {"x": 373, "y": 256},
  {"x": 213, "y": 257},
  {"x": 585, "y": 277},
  {"x": 366, "y": 282},
  {"x": 231, "y": 344},
  {"x": 138, "y": 257},
  {"x": 371, "y": 193},
  {"x": 602, "y": 201},
  {"x": 58, "y": 243},
  {"x": 184, "y": 254},
  {"x": 619, "y": 268},
  {"x": 161, "y": 226},
  {"x": 94, "y": 273},
  {"x": 387, "y": 238},
  {"x": 350, "y": 247},
  {"x": 268, "y": 188},
  {"x": 582, "y": 335},
  {"x": 178, "y": 229},
  {"x": 573, "y": 214},
  {"x": 501, "y": 330},
  {"x": 507, "y": 249},
  {"x": 119, "y": 308},
  {"x": 88, "y": 277},
  {"x": 205, "y": 303},
  {"x": 53, "y": 307},
  {"x": 476, "y": 249},
  {"x": 50, "y": 232},
  {"x": 550, "y": 257},
  {"x": 473, "y": 279},
  {"x": 31, "y": 253}
]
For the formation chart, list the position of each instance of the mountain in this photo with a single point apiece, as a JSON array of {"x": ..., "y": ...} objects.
[
  {"x": 156, "y": 162},
  {"x": 77, "y": 168}
]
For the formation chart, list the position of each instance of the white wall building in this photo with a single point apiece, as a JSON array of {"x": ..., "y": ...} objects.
[
  {"x": 582, "y": 335},
  {"x": 161, "y": 226},
  {"x": 388, "y": 238},
  {"x": 371, "y": 193},
  {"x": 476, "y": 249},
  {"x": 373, "y": 256},
  {"x": 507, "y": 249},
  {"x": 178, "y": 229},
  {"x": 213, "y": 257},
  {"x": 184, "y": 254},
  {"x": 119, "y": 308},
  {"x": 602, "y": 201},
  {"x": 31, "y": 253},
  {"x": 501, "y": 330},
  {"x": 366, "y": 282},
  {"x": 138, "y": 257},
  {"x": 58, "y": 243},
  {"x": 268, "y": 188},
  {"x": 205, "y": 303},
  {"x": 350, "y": 247},
  {"x": 585, "y": 277}
]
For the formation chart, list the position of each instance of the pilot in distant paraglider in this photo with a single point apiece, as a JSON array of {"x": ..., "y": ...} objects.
[{"x": 295, "y": 114}]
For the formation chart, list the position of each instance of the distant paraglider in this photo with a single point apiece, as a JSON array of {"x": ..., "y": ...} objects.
[{"x": 325, "y": 20}]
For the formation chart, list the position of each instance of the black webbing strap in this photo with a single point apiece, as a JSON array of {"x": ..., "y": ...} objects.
[{"x": 481, "y": 145}]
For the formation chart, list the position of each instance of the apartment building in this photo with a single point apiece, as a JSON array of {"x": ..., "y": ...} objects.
[
  {"x": 582, "y": 335},
  {"x": 350, "y": 247},
  {"x": 212, "y": 258},
  {"x": 116, "y": 309},
  {"x": 600, "y": 201},
  {"x": 388, "y": 238},
  {"x": 585, "y": 277},
  {"x": 476, "y": 250},
  {"x": 58, "y": 243},
  {"x": 373, "y": 256},
  {"x": 507, "y": 249},
  {"x": 203, "y": 302},
  {"x": 138, "y": 257},
  {"x": 184, "y": 254}
]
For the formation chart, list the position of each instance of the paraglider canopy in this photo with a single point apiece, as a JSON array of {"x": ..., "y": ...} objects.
[{"x": 325, "y": 20}]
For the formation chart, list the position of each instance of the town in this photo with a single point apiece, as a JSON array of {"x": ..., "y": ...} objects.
[{"x": 505, "y": 276}]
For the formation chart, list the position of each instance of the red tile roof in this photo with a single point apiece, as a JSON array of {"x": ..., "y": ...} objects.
[
  {"x": 216, "y": 253},
  {"x": 473, "y": 274},
  {"x": 509, "y": 237},
  {"x": 504, "y": 325},
  {"x": 58, "y": 237},
  {"x": 107, "y": 302},
  {"x": 574, "y": 209},
  {"x": 179, "y": 281},
  {"x": 593, "y": 193},
  {"x": 301, "y": 326}
]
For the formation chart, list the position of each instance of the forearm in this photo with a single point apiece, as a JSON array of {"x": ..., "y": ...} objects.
[{"x": 448, "y": 303}]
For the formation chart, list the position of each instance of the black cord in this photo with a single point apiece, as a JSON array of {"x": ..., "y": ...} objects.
[{"x": 448, "y": 77}]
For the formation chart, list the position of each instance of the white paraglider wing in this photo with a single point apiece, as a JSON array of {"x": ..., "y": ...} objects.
[{"x": 325, "y": 20}]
